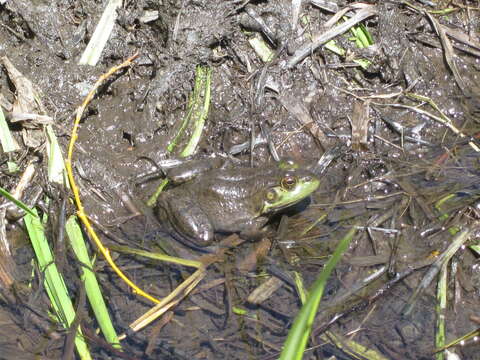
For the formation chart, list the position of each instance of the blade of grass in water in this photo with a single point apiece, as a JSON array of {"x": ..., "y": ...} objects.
[
  {"x": 302, "y": 326},
  {"x": 54, "y": 283},
  {"x": 156, "y": 256},
  {"x": 351, "y": 348},
  {"x": 440, "y": 310},
  {"x": 20, "y": 204},
  {"x": 94, "y": 293}
]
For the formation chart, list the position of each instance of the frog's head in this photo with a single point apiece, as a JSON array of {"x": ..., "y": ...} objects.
[{"x": 293, "y": 186}]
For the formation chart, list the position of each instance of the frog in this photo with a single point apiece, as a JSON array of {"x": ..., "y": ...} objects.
[{"x": 230, "y": 200}]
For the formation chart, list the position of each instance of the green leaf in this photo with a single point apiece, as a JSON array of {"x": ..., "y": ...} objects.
[
  {"x": 54, "y": 283},
  {"x": 92, "y": 287},
  {"x": 302, "y": 326}
]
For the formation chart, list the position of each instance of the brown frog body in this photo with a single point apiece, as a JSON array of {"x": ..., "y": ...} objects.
[{"x": 231, "y": 200}]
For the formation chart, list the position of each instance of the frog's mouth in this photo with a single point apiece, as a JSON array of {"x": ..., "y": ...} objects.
[{"x": 279, "y": 198}]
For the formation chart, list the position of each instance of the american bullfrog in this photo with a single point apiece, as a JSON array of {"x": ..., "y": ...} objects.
[{"x": 231, "y": 200}]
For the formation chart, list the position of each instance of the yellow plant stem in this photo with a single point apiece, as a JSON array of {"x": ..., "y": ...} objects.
[
  {"x": 68, "y": 164},
  {"x": 157, "y": 256}
]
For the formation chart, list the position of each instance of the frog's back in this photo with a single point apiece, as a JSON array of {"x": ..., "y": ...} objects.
[{"x": 231, "y": 198}]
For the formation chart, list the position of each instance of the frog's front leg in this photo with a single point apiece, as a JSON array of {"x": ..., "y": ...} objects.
[
  {"x": 190, "y": 169},
  {"x": 252, "y": 230},
  {"x": 184, "y": 218}
]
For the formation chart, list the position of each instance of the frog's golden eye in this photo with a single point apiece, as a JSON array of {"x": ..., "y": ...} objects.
[
  {"x": 271, "y": 196},
  {"x": 289, "y": 182}
]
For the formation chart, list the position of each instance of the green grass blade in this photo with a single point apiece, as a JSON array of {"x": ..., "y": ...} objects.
[
  {"x": 475, "y": 248},
  {"x": 200, "y": 108},
  {"x": 194, "y": 120},
  {"x": 54, "y": 283},
  {"x": 156, "y": 256},
  {"x": 262, "y": 49},
  {"x": 183, "y": 126},
  {"x": 351, "y": 348},
  {"x": 441, "y": 308},
  {"x": 197, "y": 112},
  {"x": 20, "y": 204},
  {"x": 100, "y": 36},
  {"x": 153, "y": 199},
  {"x": 6, "y": 139},
  {"x": 333, "y": 47},
  {"x": 300, "y": 286},
  {"x": 367, "y": 38},
  {"x": 302, "y": 326},
  {"x": 92, "y": 287},
  {"x": 56, "y": 165}
]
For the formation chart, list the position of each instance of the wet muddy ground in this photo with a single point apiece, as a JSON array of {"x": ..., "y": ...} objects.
[{"x": 399, "y": 135}]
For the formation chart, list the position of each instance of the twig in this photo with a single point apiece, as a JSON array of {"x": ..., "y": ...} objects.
[{"x": 320, "y": 39}]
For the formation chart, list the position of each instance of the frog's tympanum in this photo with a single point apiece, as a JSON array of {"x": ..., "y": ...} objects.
[{"x": 232, "y": 200}]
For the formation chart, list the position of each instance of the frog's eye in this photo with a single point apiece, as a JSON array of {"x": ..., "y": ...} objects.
[
  {"x": 289, "y": 182},
  {"x": 271, "y": 195}
]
